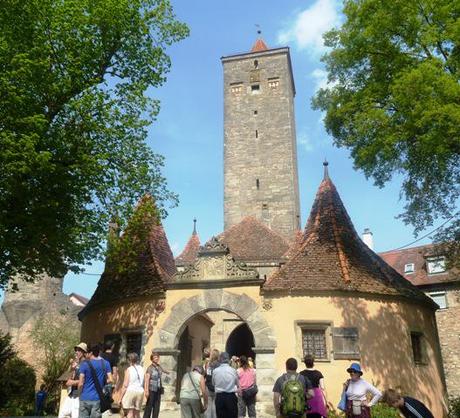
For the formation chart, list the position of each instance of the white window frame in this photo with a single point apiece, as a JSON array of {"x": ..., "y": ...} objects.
[
  {"x": 443, "y": 294},
  {"x": 409, "y": 268},
  {"x": 436, "y": 265}
]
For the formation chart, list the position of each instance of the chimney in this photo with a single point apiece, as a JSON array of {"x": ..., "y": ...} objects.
[{"x": 368, "y": 238}]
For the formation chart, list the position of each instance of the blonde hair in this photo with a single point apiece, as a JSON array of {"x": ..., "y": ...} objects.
[
  {"x": 390, "y": 396},
  {"x": 214, "y": 355},
  {"x": 133, "y": 358}
]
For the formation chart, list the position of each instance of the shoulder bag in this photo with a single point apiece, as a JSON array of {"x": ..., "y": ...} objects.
[
  {"x": 106, "y": 400},
  {"x": 202, "y": 408}
]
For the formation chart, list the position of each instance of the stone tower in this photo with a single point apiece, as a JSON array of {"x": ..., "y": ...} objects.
[{"x": 260, "y": 156}]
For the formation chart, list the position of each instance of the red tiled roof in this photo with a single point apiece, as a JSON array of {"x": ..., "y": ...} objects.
[
  {"x": 252, "y": 241},
  {"x": 298, "y": 240},
  {"x": 259, "y": 46},
  {"x": 333, "y": 257},
  {"x": 417, "y": 255},
  {"x": 190, "y": 251},
  {"x": 80, "y": 298},
  {"x": 151, "y": 268}
]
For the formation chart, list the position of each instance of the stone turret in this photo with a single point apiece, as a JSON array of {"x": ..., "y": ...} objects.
[{"x": 260, "y": 155}]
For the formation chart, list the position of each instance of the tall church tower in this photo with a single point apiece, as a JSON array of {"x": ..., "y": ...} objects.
[{"x": 260, "y": 155}]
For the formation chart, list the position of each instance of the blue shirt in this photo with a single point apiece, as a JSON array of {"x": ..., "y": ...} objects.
[{"x": 89, "y": 392}]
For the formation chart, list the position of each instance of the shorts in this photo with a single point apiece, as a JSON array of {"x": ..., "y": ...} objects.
[{"x": 132, "y": 400}]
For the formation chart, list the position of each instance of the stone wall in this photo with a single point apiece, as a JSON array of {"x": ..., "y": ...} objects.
[
  {"x": 21, "y": 309},
  {"x": 449, "y": 335},
  {"x": 260, "y": 156}
]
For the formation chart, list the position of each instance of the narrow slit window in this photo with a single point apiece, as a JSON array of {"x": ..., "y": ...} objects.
[
  {"x": 257, "y": 133},
  {"x": 257, "y": 184}
]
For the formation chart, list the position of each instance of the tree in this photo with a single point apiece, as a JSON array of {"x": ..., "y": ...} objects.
[
  {"x": 17, "y": 381},
  {"x": 74, "y": 110},
  {"x": 393, "y": 99},
  {"x": 55, "y": 338}
]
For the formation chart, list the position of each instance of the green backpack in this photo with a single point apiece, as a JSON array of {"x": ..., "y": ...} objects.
[{"x": 292, "y": 397}]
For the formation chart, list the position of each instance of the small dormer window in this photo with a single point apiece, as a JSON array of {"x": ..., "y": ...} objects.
[
  {"x": 436, "y": 265},
  {"x": 409, "y": 268}
]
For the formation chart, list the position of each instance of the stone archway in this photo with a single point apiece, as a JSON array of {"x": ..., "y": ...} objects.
[{"x": 167, "y": 338}]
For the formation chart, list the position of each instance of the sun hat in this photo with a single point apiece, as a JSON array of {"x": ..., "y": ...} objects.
[
  {"x": 355, "y": 367},
  {"x": 82, "y": 346}
]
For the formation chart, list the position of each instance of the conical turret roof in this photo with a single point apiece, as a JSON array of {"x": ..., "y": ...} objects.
[
  {"x": 259, "y": 46},
  {"x": 331, "y": 256},
  {"x": 142, "y": 262},
  {"x": 190, "y": 252}
]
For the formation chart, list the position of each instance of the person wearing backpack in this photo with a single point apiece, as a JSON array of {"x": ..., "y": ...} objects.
[
  {"x": 93, "y": 368},
  {"x": 290, "y": 392},
  {"x": 212, "y": 364}
]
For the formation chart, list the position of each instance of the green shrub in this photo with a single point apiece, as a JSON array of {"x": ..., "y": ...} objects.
[
  {"x": 454, "y": 407},
  {"x": 378, "y": 411},
  {"x": 17, "y": 388}
]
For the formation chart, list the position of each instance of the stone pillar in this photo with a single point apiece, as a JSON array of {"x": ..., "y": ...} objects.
[
  {"x": 168, "y": 360},
  {"x": 266, "y": 377}
]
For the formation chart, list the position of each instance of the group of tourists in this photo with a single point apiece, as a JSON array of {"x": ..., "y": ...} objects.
[
  {"x": 220, "y": 387},
  {"x": 95, "y": 374}
]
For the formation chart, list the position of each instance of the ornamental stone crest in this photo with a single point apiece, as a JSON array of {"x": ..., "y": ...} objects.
[{"x": 214, "y": 263}]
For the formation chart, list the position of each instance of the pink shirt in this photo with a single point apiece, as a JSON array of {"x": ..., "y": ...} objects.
[{"x": 247, "y": 377}]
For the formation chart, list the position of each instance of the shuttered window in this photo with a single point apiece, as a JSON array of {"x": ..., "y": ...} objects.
[
  {"x": 314, "y": 343},
  {"x": 346, "y": 343}
]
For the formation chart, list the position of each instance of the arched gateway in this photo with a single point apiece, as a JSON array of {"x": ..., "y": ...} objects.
[{"x": 166, "y": 340}]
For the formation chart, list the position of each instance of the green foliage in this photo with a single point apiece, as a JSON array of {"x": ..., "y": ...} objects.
[
  {"x": 73, "y": 124},
  {"x": 454, "y": 407},
  {"x": 123, "y": 252},
  {"x": 6, "y": 349},
  {"x": 394, "y": 99},
  {"x": 55, "y": 338},
  {"x": 378, "y": 411},
  {"x": 17, "y": 382}
]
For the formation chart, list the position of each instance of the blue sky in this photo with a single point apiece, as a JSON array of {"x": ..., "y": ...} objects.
[{"x": 189, "y": 128}]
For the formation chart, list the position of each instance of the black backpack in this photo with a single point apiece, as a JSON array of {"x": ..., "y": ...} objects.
[{"x": 208, "y": 378}]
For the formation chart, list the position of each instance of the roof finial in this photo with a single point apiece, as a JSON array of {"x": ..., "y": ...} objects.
[
  {"x": 326, "y": 171},
  {"x": 259, "y": 31},
  {"x": 194, "y": 226}
]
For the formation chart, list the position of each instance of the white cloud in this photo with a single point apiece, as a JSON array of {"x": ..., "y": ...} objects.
[
  {"x": 309, "y": 26},
  {"x": 320, "y": 78},
  {"x": 304, "y": 142}
]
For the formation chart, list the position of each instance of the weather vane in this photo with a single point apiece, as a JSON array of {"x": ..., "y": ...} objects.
[{"x": 258, "y": 29}]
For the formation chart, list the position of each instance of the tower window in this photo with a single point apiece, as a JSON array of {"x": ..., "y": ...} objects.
[
  {"x": 255, "y": 89},
  {"x": 273, "y": 83},
  {"x": 257, "y": 133},
  {"x": 257, "y": 184},
  {"x": 256, "y": 64},
  {"x": 236, "y": 88},
  {"x": 255, "y": 112}
]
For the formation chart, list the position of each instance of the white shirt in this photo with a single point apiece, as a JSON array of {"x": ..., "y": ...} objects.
[
  {"x": 358, "y": 390},
  {"x": 225, "y": 379},
  {"x": 136, "y": 379}
]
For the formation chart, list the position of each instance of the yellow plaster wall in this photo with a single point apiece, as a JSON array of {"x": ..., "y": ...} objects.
[
  {"x": 384, "y": 335},
  {"x": 384, "y": 338}
]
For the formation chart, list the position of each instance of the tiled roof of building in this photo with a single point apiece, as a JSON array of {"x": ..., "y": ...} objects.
[
  {"x": 333, "y": 257},
  {"x": 252, "y": 241},
  {"x": 190, "y": 252},
  {"x": 417, "y": 256},
  {"x": 145, "y": 275},
  {"x": 298, "y": 239},
  {"x": 259, "y": 46}
]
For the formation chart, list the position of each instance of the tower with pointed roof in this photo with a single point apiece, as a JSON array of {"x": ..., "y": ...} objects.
[{"x": 260, "y": 156}]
